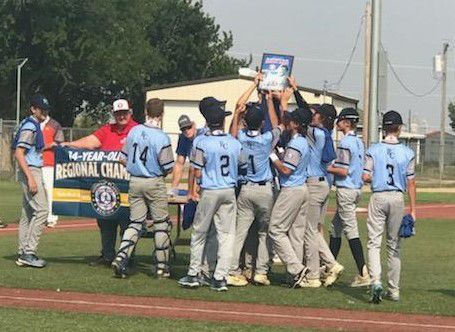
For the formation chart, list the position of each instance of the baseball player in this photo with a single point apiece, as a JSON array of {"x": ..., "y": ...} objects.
[
  {"x": 28, "y": 145},
  {"x": 216, "y": 159},
  {"x": 389, "y": 166},
  {"x": 348, "y": 168},
  {"x": 149, "y": 158},
  {"x": 288, "y": 227},
  {"x": 255, "y": 200}
]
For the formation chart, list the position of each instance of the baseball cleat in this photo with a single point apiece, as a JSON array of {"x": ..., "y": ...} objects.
[
  {"x": 30, "y": 260},
  {"x": 219, "y": 285},
  {"x": 100, "y": 261},
  {"x": 376, "y": 293},
  {"x": 204, "y": 279},
  {"x": 310, "y": 283},
  {"x": 261, "y": 279},
  {"x": 119, "y": 269},
  {"x": 333, "y": 274},
  {"x": 236, "y": 280},
  {"x": 189, "y": 281},
  {"x": 362, "y": 280},
  {"x": 393, "y": 296},
  {"x": 300, "y": 277}
]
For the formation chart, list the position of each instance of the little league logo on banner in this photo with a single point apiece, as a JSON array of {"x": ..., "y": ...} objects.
[{"x": 90, "y": 184}]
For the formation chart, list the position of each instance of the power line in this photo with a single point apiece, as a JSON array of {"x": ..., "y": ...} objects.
[{"x": 405, "y": 87}]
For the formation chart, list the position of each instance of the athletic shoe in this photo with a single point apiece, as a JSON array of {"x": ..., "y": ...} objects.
[
  {"x": 261, "y": 279},
  {"x": 310, "y": 283},
  {"x": 189, "y": 281},
  {"x": 119, "y": 269},
  {"x": 323, "y": 274},
  {"x": 333, "y": 274},
  {"x": 248, "y": 273},
  {"x": 236, "y": 280},
  {"x": 100, "y": 261},
  {"x": 163, "y": 273},
  {"x": 376, "y": 293},
  {"x": 393, "y": 296},
  {"x": 204, "y": 279},
  {"x": 362, "y": 280},
  {"x": 219, "y": 285},
  {"x": 30, "y": 260},
  {"x": 300, "y": 277}
]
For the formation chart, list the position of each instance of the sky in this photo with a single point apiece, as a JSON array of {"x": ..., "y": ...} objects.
[{"x": 322, "y": 33}]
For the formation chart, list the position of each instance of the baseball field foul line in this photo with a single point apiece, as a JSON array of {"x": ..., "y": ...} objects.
[{"x": 227, "y": 313}]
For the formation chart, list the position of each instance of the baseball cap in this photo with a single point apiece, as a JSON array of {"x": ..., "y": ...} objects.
[
  {"x": 302, "y": 116},
  {"x": 348, "y": 113},
  {"x": 121, "y": 105},
  {"x": 254, "y": 115},
  {"x": 208, "y": 104},
  {"x": 40, "y": 102},
  {"x": 184, "y": 122},
  {"x": 215, "y": 117},
  {"x": 391, "y": 118},
  {"x": 328, "y": 111}
]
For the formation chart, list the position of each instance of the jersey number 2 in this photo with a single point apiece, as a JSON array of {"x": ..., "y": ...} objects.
[
  {"x": 390, "y": 169},
  {"x": 224, "y": 165},
  {"x": 142, "y": 156}
]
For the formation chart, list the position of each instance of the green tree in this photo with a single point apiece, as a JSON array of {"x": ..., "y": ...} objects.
[
  {"x": 83, "y": 54},
  {"x": 452, "y": 115}
]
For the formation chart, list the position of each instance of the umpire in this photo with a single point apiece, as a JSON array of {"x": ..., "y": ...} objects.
[{"x": 110, "y": 137}]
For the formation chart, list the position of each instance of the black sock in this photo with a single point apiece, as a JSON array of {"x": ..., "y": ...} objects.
[
  {"x": 335, "y": 245},
  {"x": 357, "y": 253}
]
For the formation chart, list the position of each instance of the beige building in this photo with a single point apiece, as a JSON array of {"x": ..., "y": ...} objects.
[{"x": 183, "y": 98}]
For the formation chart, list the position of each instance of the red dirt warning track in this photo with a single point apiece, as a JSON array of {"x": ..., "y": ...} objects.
[{"x": 223, "y": 311}]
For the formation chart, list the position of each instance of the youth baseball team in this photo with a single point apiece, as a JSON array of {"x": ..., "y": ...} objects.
[{"x": 261, "y": 190}]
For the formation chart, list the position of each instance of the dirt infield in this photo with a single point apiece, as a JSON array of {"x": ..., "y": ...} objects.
[{"x": 222, "y": 311}]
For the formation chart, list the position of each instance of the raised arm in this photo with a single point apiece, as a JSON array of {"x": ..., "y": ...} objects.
[
  {"x": 298, "y": 97},
  {"x": 247, "y": 94},
  {"x": 272, "y": 112},
  {"x": 235, "y": 124}
]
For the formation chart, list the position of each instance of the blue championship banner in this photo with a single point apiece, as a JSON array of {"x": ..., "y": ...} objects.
[{"x": 90, "y": 184}]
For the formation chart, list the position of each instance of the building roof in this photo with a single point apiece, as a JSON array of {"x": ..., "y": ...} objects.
[
  {"x": 438, "y": 133},
  {"x": 234, "y": 77}
]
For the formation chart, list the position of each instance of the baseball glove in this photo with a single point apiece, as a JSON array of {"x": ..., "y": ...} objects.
[{"x": 407, "y": 227}]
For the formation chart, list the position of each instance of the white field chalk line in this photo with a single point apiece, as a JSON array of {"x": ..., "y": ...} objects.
[{"x": 212, "y": 311}]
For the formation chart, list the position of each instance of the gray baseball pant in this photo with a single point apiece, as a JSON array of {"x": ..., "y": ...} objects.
[
  {"x": 345, "y": 219},
  {"x": 255, "y": 202},
  {"x": 34, "y": 213},
  {"x": 288, "y": 227},
  {"x": 385, "y": 210},
  {"x": 217, "y": 207},
  {"x": 318, "y": 197},
  {"x": 148, "y": 195}
]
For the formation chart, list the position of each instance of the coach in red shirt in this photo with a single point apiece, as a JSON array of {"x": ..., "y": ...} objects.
[{"x": 109, "y": 137}]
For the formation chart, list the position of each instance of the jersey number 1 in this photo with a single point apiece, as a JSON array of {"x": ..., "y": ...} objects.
[
  {"x": 142, "y": 156},
  {"x": 390, "y": 169}
]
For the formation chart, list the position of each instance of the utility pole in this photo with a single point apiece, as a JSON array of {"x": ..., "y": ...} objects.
[
  {"x": 366, "y": 76},
  {"x": 18, "y": 90},
  {"x": 374, "y": 71},
  {"x": 445, "y": 47}
]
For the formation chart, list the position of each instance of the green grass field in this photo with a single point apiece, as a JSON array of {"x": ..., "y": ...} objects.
[
  {"x": 427, "y": 274},
  {"x": 13, "y": 320}
]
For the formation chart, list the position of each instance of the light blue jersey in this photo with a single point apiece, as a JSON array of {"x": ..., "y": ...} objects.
[
  {"x": 350, "y": 155},
  {"x": 316, "y": 142},
  {"x": 218, "y": 156},
  {"x": 296, "y": 158},
  {"x": 390, "y": 164},
  {"x": 148, "y": 152},
  {"x": 27, "y": 139},
  {"x": 257, "y": 148}
]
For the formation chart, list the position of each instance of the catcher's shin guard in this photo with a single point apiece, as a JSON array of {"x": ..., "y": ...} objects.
[
  {"x": 129, "y": 240},
  {"x": 162, "y": 235}
]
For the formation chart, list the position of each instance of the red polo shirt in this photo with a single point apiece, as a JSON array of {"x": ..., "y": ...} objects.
[{"x": 112, "y": 137}]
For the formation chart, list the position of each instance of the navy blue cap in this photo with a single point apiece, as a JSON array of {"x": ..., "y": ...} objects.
[
  {"x": 254, "y": 115},
  {"x": 349, "y": 113},
  {"x": 391, "y": 118},
  {"x": 40, "y": 102},
  {"x": 209, "y": 104},
  {"x": 302, "y": 116},
  {"x": 328, "y": 111}
]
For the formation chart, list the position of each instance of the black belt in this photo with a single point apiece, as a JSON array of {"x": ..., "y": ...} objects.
[
  {"x": 391, "y": 190},
  {"x": 260, "y": 183}
]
